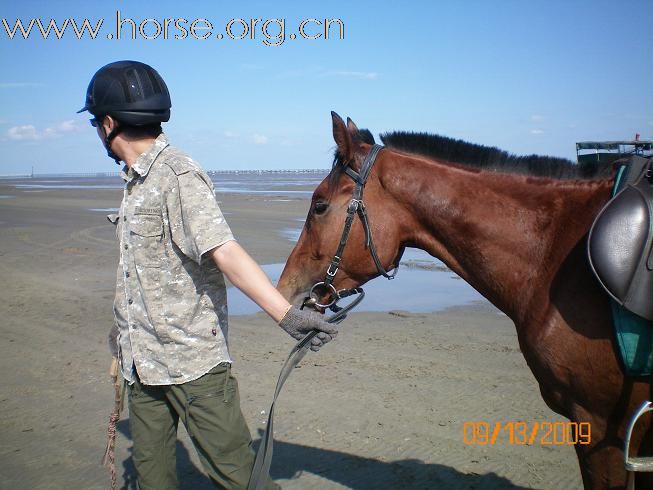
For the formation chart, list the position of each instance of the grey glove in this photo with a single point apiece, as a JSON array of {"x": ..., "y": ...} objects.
[{"x": 300, "y": 322}]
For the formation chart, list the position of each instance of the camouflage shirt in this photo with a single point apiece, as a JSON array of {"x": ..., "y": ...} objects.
[{"x": 171, "y": 305}]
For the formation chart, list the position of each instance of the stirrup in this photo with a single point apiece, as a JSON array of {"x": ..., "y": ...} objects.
[{"x": 637, "y": 463}]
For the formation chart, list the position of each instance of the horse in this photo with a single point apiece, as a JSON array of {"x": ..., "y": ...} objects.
[{"x": 515, "y": 228}]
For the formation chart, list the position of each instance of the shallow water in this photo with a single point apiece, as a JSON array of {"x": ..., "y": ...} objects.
[
  {"x": 277, "y": 185},
  {"x": 67, "y": 186},
  {"x": 423, "y": 284},
  {"x": 268, "y": 192},
  {"x": 412, "y": 258}
]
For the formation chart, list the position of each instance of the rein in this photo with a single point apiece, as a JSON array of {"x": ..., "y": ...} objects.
[
  {"x": 356, "y": 207},
  {"x": 261, "y": 468}
]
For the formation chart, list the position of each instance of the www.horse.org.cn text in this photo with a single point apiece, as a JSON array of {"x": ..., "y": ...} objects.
[{"x": 271, "y": 32}]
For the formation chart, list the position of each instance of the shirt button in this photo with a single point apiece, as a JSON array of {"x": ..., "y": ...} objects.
[
  {"x": 126, "y": 246},
  {"x": 130, "y": 301},
  {"x": 126, "y": 274}
]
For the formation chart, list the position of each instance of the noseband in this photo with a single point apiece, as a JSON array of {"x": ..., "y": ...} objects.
[{"x": 356, "y": 207}]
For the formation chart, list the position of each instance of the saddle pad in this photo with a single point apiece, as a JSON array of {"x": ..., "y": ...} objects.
[{"x": 634, "y": 336}]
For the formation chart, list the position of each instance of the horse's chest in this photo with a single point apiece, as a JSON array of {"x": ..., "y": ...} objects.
[{"x": 568, "y": 364}]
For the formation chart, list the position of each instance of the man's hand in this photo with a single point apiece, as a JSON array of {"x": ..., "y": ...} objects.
[
  {"x": 300, "y": 322},
  {"x": 114, "y": 370}
]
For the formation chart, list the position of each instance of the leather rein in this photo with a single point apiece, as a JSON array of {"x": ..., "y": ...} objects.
[
  {"x": 263, "y": 460},
  {"x": 355, "y": 208}
]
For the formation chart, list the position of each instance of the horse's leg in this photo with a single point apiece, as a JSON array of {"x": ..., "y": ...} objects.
[
  {"x": 602, "y": 461},
  {"x": 601, "y": 467}
]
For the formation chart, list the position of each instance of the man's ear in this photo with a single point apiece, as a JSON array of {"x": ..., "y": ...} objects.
[{"x": 109, "y": 124}]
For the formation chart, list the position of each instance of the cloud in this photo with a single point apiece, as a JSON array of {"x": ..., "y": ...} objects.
[
  {"x": 229, "y": 134},
  {"x": 260, "y": 139},
  {"x": 31, "y": 133},
  {"x": 20, "y": 85},
  {"x": 21, "y": 133},
  {"x": 537, "y": 118},
  {"x": 361, "y": 75},
  {"x": 537, "y": 131},
  {"x": 64, "y": 127}
]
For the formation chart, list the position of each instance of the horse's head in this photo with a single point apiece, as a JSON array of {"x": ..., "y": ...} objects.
[{"x": 323, "y": 230}]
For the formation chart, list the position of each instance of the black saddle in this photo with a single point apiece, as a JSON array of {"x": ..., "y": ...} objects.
[{"x": 620, "y": 242}]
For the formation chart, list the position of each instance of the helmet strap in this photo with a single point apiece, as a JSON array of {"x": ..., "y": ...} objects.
[{"x": 107, "y": 143}]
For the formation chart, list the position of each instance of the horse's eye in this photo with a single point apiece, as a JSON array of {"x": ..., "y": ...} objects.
[{"x": 320, "y": 207}]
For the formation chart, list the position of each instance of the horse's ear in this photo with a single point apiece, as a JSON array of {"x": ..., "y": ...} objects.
[
  {"x": 366, "y": 136},
  {"x": 352, "y": 128},
  {"x": 342, "y": 137},
  {"x": 358, "y": 135}
]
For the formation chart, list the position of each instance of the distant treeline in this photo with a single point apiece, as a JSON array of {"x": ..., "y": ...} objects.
[
  {"x": 210, "y": 172},
  {"x": 287, "y": 171}
]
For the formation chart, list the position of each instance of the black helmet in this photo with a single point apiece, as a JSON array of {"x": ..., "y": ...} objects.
[{"x": 131, "y": 92}]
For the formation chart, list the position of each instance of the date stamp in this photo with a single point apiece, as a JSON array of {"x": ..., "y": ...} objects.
[{"x": 527, "y": 433}]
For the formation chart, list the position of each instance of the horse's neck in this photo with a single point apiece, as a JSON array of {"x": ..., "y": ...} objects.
[{"x": 505, "y": 234}]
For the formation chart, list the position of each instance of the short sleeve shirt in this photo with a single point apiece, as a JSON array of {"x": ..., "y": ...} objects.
[{"x": 171, "y": 302}]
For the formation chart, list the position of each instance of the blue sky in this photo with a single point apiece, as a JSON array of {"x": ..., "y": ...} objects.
[{"x": 525, "y": 76}]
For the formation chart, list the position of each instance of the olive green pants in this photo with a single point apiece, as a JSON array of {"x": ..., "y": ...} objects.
[{"x": 209, "y": 408}]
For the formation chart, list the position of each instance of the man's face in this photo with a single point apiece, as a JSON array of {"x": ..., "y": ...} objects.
[
  {"x": 103, "y": 126},
  {"x": 97, "y": 123}
]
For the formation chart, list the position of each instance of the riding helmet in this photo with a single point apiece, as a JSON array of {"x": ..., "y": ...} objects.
[{"x": 131, "y": 92}]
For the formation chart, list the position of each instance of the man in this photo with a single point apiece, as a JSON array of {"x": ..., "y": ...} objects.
[{"x": 170, "y": 331}]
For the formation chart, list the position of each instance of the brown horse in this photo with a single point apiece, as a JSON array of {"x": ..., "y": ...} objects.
[{"x": 515, "y": 228}]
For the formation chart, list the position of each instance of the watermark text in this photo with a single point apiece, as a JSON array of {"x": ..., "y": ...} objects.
[{"x": 271, "y": 32}]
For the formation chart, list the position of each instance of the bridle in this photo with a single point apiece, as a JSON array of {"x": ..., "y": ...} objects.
[
  {"x": 260, "y": 471},
  {"x": 356, "y": 207}
]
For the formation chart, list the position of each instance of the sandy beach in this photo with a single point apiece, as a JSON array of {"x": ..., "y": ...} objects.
[{"x": 384, "y": 406}]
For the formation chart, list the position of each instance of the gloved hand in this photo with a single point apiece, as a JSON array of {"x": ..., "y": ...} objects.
[{"x": 300, "y": 322}]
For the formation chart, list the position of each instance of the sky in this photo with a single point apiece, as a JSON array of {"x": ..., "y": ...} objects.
[{"x": 529, "y": 77}]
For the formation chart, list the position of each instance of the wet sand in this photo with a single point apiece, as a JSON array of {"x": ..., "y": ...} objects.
[{"x": 384, "y": 406}]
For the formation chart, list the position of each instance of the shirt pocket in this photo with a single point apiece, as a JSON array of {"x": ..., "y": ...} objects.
[{"x": 146, "y": 233}]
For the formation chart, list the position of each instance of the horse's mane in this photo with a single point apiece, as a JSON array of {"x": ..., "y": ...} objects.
[{"x": 484, "y": 157}]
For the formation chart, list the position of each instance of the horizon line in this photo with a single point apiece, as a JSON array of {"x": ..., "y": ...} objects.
[{"x": 116, "y": 174}]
